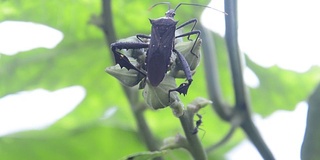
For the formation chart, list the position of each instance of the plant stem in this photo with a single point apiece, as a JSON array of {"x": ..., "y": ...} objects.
[
  {"x": 107, "y": 26},
  {"x": 223, "y": 109},
  {"x": 235, "y": 57},
  {"x": 196, "y": 149},
  {"x": 311, "y": 142},
  {"x": 242, "y": 105},
  {"x": 252, "y": 132}
]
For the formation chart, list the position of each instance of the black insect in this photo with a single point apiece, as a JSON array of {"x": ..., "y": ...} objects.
[
  {"x": 198, "y": 124},
  {"x": 160, "y": 48}
]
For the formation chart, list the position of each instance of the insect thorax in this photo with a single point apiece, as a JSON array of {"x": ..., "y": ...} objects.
[{"x": 164, "y": 27}]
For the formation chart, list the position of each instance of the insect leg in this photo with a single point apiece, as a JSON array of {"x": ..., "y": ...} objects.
[
  {"x": 194, "y": 21},
  {"x": 183, "y": 88},
  {"x": 204, "y": 132},
  {"x": 189, "y": 22},
  {"x": 139, "y": 36},
  {"x": 121, "y": 59},
  {"x": 197, "y": 32}
]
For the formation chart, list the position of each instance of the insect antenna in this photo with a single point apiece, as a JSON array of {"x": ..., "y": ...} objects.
[
  {"x": 167, "y": 3},
  {"x": 198, "y": 5}
]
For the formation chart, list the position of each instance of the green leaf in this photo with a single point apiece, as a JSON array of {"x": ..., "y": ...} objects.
[
  {"x": 280, "y": 89},
  {"x": 80, "y": 59},
  {"x": 128, "y": 78},
  {"x": 158, "y": 97},
  {"x": 145, "y": 155},
  {"x": 94, "y": 141}
]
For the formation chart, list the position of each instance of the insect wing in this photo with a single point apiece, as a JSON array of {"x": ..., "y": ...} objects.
[{"x": 160, "y": 49}]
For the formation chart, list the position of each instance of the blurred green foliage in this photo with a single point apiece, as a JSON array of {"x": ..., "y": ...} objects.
[{"x": 80, "y": 59}]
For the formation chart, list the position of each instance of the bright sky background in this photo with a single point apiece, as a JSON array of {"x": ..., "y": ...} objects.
[
  {"x": 37, "y": 109},
  {"x": 18, "y": 36},
  {"x": 272, "y": 32},
  {"x": 282, "y": 33},
  {"x": 282, "y": 131}
]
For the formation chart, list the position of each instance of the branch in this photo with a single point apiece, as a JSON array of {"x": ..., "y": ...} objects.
[
  {"x": 107, "y": 26},
  {"x": 311, "y": 142},
  {"x": 195, "y": 146},
  {"x": 242, "y": 106},
  {"x": 223, "y": 109}
]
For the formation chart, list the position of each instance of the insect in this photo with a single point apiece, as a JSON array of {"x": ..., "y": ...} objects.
[
  {"x": 198, "y": 124},
  {"x": 160, "y": 48}
]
